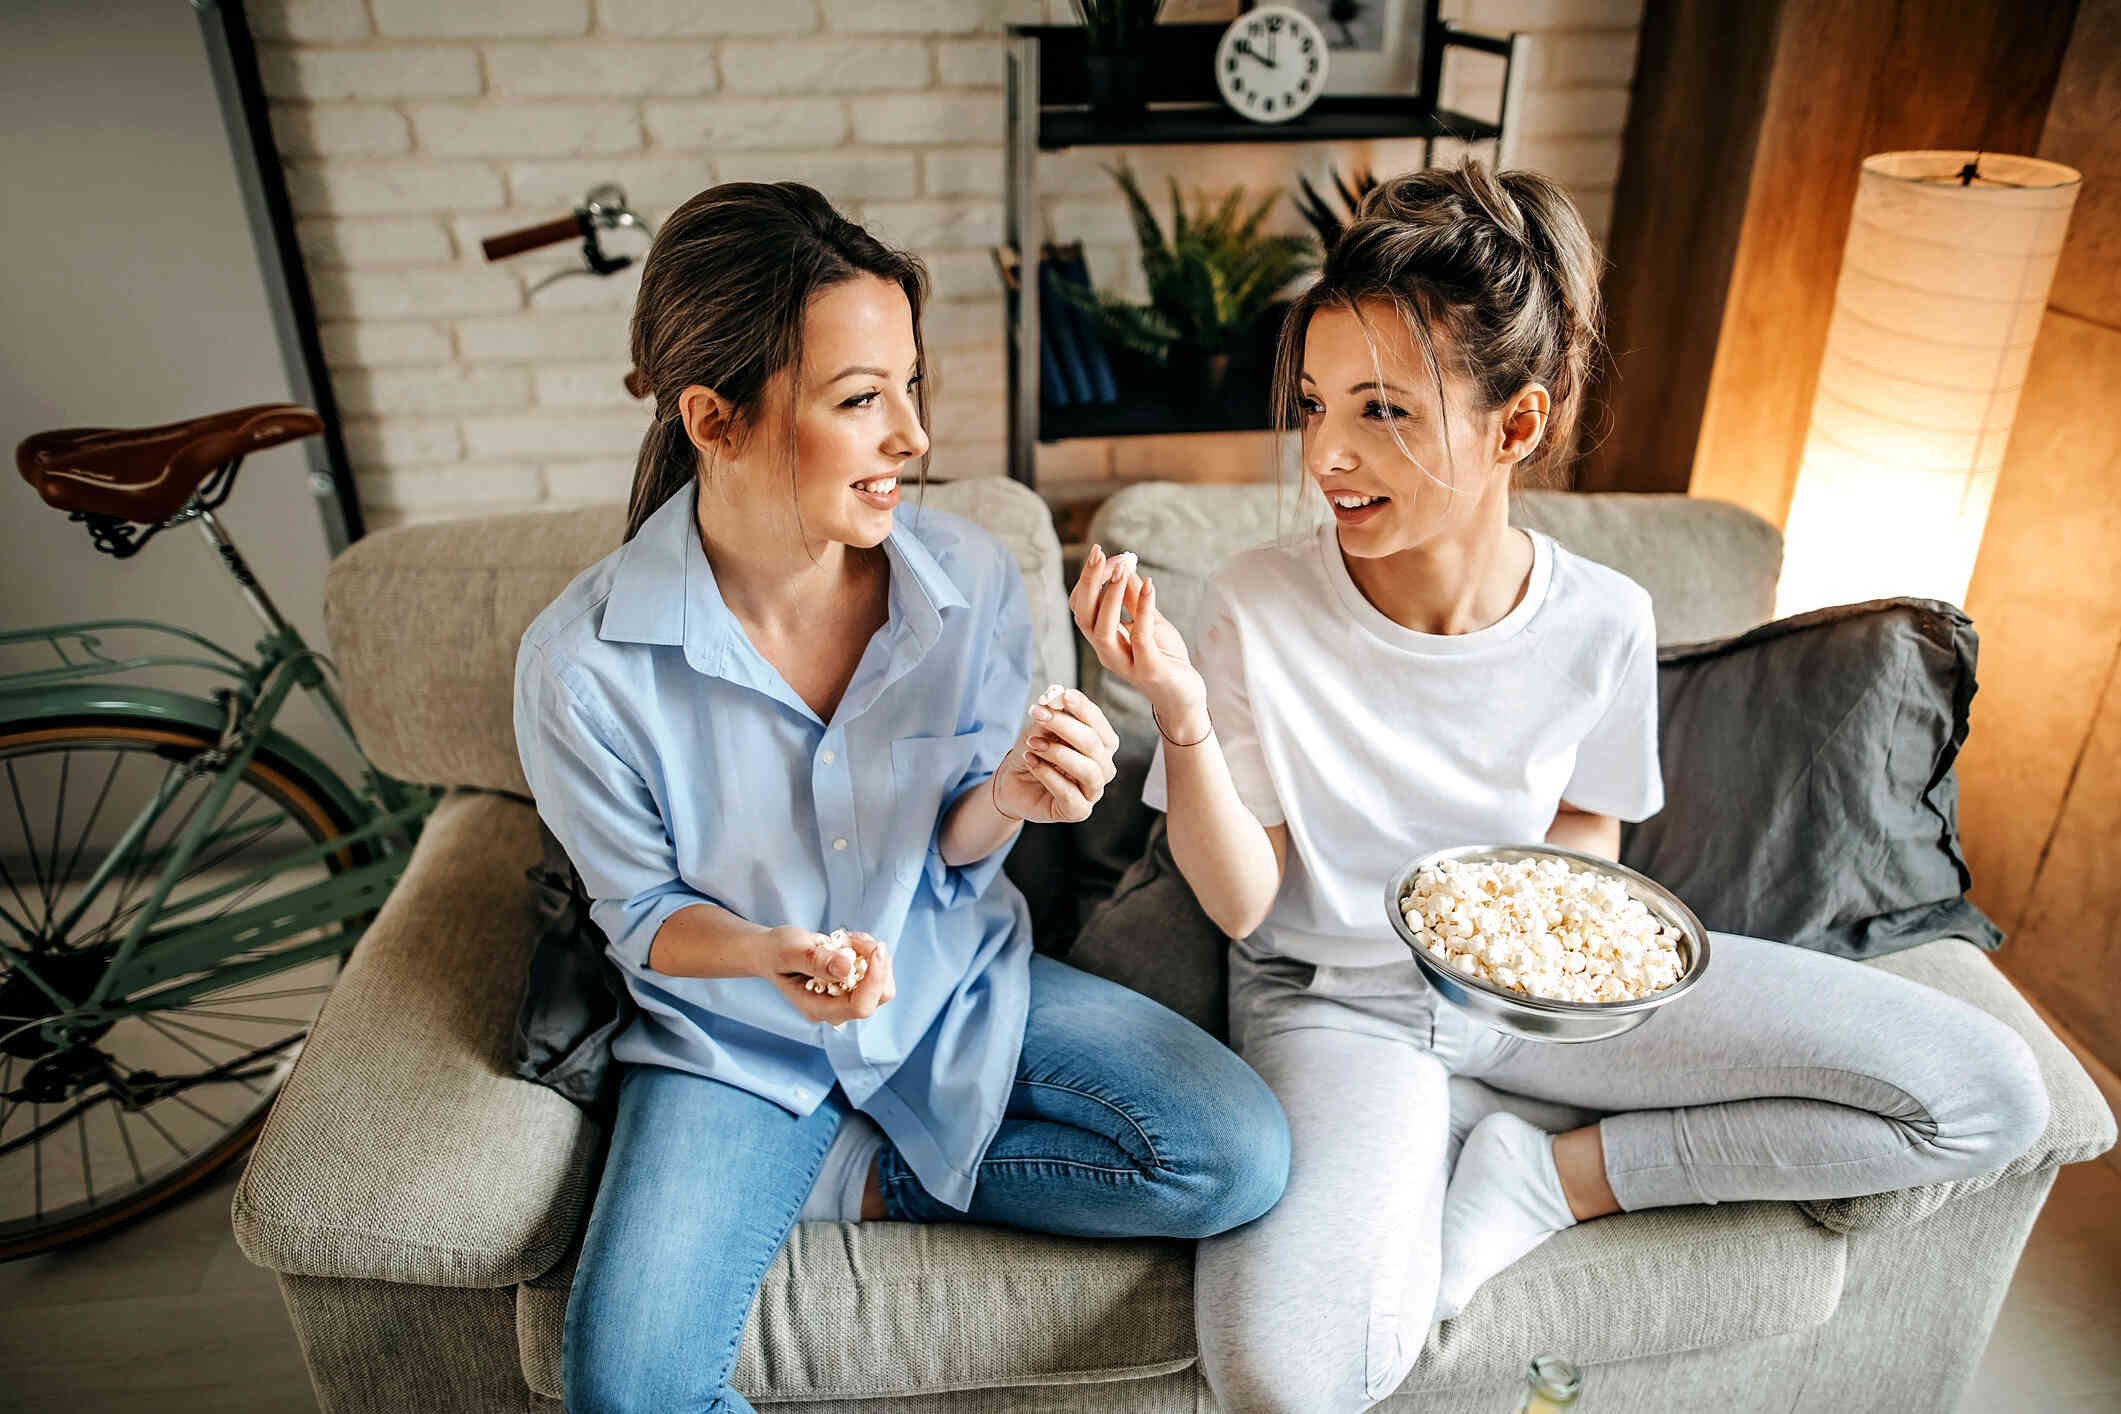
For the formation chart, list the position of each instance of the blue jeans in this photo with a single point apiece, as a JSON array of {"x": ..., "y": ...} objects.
[{"x": 1126, "y": 1120}]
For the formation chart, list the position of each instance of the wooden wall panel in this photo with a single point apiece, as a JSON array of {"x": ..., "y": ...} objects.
[
  {"x": 2067, "y": 949},
  {"x": 2040, "y": 780},
  {"x": 1693, "y": 122},
  {"x": 2080, "y": 131},
  {"x": 1745, "y": 132},
  {"x": 1851, "y": 78},
  {"x": 2046, "y": 600}
]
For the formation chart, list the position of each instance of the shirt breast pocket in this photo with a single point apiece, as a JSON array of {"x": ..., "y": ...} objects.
[{"x": 924, "y": 769}]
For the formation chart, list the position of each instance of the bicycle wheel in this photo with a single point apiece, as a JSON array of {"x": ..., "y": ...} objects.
[{"x": 106, "y": 1129}]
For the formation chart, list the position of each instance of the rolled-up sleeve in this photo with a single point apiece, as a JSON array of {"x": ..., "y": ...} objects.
[
  {"x": 1000, "y": 701},
  {"x": 601, "y": 810}
]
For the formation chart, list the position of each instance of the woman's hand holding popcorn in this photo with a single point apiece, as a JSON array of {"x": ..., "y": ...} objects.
[
  {"x": 1146, "y": 650},
  {"x": 1061, "y": 763},
  {"x": 835, "y": 977}
]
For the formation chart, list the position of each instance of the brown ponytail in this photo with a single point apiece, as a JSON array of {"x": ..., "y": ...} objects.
[
  {"x": 1500, "y": 261},
  {"x": 723, "y": 295}
]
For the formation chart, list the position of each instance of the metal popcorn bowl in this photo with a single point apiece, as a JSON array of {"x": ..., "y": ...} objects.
[{"x": 1535, "y": 1018}]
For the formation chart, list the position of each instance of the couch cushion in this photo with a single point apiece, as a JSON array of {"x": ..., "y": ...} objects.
[
  {"x": 1710, "y": 567},
  {"x": 1809, "y": 793},
  {"x": 402, "y": 1148},
  {"x": 424, "y": 621},
  {"x": 2079, "y": 1125},
  {"x": 1152, "y": 936},
  {"x": 855, "y": 1311},
  {"x": 881, "y": 1309}
]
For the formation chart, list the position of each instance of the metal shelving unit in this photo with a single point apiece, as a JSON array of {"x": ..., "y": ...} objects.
[{"x": 1048, "y": 112}]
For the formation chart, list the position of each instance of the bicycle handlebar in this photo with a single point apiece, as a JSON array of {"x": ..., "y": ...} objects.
[{"x": 508, "y": 243}]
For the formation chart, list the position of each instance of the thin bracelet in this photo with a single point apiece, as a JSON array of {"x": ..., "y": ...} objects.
[
  {"x": 1174, "y": 740},
  {"x": 994, "y": 794}
]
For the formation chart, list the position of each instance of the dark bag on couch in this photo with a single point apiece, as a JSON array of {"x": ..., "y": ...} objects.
[{"x": 574, "y": 1001}]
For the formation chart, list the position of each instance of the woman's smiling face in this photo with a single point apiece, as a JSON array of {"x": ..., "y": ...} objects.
[
  {"x": 1360, "y": 388},
  {"x": 857, "y": 421}
]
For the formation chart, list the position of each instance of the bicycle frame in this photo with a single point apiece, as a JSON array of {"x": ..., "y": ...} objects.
[{"x": 381, "y": 815}]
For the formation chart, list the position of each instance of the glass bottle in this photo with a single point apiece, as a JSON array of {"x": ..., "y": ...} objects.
[{"x": 1553, "y": 1385}]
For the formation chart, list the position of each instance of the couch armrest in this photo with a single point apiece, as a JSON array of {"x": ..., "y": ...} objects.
[
  {"x": 2079, "y": 1124},
  {"x": 403, "y": 1148}
]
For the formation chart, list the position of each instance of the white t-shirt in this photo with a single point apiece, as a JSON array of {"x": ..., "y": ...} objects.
[{"x": 1375, "y": 744}]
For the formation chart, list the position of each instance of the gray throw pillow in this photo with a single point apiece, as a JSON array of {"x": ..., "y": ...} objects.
[
  {"x": 1809, "y": 794},
  {"x": 1152, "y": 936}
]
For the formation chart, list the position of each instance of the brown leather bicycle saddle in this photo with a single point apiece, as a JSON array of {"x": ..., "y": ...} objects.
[{"x": 146, "y": 474}]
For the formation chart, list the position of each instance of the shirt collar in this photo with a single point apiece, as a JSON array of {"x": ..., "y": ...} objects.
[
  {"x": 648, "y": 590},
  {"x": 664, "y": 589}
]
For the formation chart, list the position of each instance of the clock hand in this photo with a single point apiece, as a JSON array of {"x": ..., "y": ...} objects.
[{"x": 1249, "y": 52}]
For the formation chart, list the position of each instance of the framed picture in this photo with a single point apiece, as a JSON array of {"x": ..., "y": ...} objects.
[
  {"x": 1198, "y": 12},
  {"x": 1375, "y": 45}
]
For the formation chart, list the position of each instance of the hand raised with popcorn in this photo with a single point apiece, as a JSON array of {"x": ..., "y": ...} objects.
[
  {"x": 1061, "y": 763},
  {"x": 1146, "y": 649},
  {"x": 834, "y": 977}
]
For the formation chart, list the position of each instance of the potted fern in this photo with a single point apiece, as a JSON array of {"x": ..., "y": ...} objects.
[
  {"x": 1328, "y": 222},
  {"x": 1210, "y": 283},
  {"x": 1115, "y": 32}
]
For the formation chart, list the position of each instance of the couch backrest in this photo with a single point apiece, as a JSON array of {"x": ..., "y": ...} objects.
[
  {"x": 424, "y": 621},
  {"x": 1710, "y": 567}
]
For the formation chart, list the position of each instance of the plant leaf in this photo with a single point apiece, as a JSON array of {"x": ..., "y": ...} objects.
[
  {"x": 1146, "y": 230},
  {"x": 1251, "y": 226}
]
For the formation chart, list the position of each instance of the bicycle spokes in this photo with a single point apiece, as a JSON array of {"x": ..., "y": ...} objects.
[{"x": 103, "y": 1106}]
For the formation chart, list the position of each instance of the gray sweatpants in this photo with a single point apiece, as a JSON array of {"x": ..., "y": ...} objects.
[{"x": 1783, "y": 1074}]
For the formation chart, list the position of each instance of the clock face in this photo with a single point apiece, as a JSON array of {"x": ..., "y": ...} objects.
[{"x": 1271, "y": 64}]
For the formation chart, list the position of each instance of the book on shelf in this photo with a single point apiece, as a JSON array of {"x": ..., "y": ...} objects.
[
  {"x": 1076, "y": 270},
  {"x": 1061, "y": 380},
  {"x": 1072, "y": 352},
  {"x": 1059, "y": 338}
]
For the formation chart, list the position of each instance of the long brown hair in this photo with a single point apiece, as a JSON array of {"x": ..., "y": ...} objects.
[
  {"x": 721, "y": 305},
  {"x": 1500, "y": 262}
]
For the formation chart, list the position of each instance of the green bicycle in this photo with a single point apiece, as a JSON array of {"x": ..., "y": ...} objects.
[{"x": 179, "y": 881}]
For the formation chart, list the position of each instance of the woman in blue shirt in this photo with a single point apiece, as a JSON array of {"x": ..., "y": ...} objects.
[{"x": 779, "y": 710}]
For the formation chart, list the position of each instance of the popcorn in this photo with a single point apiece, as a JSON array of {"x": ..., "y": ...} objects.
[
  {"x": 1540, "y": 928},
  {"x": 839, "y": 937}
]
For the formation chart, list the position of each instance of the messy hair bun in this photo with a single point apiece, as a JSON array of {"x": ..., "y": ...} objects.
[{"x": 1500, "y": 261}]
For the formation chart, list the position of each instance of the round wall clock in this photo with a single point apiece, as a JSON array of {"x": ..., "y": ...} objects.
[{"x": 1271, "y": 63}]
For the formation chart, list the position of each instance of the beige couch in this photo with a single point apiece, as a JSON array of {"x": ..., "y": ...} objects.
[{"x": 421, "y": 1204}]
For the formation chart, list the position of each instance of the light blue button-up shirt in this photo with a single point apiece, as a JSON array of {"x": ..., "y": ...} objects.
[{"x": 678, "y": 767}]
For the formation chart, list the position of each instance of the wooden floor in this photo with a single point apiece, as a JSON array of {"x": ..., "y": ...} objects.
[{"x": 167, "y": 1316}]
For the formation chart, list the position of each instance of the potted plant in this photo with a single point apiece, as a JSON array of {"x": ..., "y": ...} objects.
[
  {"x": 1209, "y": 284},
  {"x": 1117, "y": 62},
  {"x": 1328, "y": 222}
]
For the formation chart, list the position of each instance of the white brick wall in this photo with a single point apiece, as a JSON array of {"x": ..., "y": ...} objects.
[
  {"x": 583, "y": 69},
  {"x": 705, "y": 17},
  {"x": 808, "y": 65},
  {"x": 339, "y": 130},
  {"x": 397, "y": 71},
  {"x": 747, "y": 122},
  {"x": 429, "y": 19},
  {"x": 383, "y": 241},
  {"x": 411, "y": 129}
]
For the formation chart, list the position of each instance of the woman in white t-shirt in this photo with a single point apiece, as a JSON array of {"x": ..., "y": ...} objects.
[{"x": 1420, "y": 674}]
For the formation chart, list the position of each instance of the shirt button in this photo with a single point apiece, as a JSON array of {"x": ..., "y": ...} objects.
[
  {"x": 825, "y": 756},
  {"x": 839, "y": 844}
]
